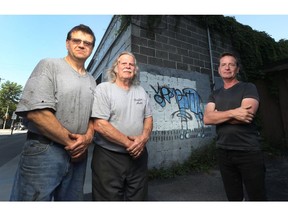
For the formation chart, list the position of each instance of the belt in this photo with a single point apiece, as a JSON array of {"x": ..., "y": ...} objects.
[{"x": 42, "y": 139}]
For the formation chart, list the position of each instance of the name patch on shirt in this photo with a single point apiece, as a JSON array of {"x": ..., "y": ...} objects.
[{"x": 138, "y": 100}]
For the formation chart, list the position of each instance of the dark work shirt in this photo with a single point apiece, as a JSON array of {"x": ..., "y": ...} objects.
[{"x": 235, "y": 136}]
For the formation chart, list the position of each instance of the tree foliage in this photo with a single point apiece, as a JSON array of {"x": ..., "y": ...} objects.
[
  {"x": 10, "y": 93},
  {"x": 256, "y": 48}
]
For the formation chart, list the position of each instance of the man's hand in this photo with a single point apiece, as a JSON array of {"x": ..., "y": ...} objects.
[
  {"x": 243, "y": 114},
  {"x": 136, "y": 149},
  {"x": 79, "y": 147}
]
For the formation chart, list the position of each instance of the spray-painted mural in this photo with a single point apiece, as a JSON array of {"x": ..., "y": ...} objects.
[
  {"x": 187, "y": 100},
  {"x": 177, "y": 106}
]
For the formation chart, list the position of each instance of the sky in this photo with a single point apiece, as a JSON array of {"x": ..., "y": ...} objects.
[
  {"x": 273, "y": 25},
  {"x": 27, "y": 39},
  {"x": 28, "y": 36}
]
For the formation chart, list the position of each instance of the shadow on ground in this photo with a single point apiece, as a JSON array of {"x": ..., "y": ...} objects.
[{"x": 209, "y": 186}]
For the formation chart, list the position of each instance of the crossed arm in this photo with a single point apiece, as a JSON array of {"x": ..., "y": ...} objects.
[{"x": 241, "y": 115}]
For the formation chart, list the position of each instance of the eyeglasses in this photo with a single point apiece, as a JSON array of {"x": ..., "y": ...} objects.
[{"x": 79, "y": 41}]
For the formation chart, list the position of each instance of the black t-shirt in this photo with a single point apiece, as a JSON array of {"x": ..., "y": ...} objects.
[{"x": 235, "y": 136}]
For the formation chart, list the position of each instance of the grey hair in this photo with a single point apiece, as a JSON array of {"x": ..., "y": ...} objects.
[{"x": 111, "y": 74}]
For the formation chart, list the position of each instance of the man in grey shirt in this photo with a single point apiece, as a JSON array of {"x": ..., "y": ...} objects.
[
  {"x": 123, "y": 124},
  {"x": 56, "y": 106}
]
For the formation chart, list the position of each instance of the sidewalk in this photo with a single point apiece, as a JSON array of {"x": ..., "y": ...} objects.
[
  {"x": 8, "y": 131},
  {"x": 209, "y": 186}
]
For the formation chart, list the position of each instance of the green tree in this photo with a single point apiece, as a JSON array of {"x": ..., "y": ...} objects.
[
  {"x": 10, "y": 93},
  {"x": 283, "y": 46}
]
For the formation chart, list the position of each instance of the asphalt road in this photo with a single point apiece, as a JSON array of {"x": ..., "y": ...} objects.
[{"x": 10, "y": 146}]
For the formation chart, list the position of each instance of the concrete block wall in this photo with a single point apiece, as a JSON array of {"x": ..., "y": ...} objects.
[
  {"x": 177, "y": 42},
  {"x": 175, "y": 69},
  {"x": 178, "y": 116},
  {"x": 113, "y": 42},
  {"x": 176, "y": 72}
]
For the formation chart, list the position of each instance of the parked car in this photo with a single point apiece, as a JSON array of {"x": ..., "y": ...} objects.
[{"x": 19, "y": 126}]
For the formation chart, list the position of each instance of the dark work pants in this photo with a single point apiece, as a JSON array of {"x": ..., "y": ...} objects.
[
  {"x": 242, "y": 167},
  {"x": 118, "y": 177}
]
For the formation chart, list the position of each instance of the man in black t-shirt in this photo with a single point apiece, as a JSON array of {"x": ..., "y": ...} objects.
[{"x": 232, "y": 109}]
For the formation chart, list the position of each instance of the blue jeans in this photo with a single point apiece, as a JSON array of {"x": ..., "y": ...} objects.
[
  {"x": 240, "y": 168},
  {"x": 45, "y": 173}
]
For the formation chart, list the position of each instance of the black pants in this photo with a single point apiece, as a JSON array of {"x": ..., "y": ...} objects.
[
  {"x": 118, "y": 177},
  {"x": 242, "y": 167}
]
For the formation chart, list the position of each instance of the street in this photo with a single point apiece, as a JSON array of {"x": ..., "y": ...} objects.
[
  {"x": 11, "y": 146},
  {"x": 10, "y": 149}
]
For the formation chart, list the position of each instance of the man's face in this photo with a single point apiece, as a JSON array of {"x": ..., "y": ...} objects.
[
  {"x": 80, "y": 45},
  {"x": 125, "y": 68},
  {"x": 228, "y": 68}
]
